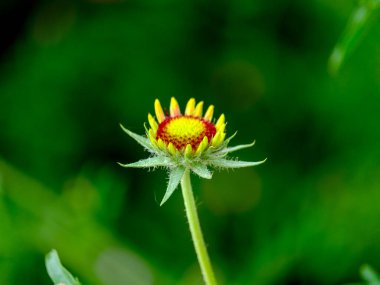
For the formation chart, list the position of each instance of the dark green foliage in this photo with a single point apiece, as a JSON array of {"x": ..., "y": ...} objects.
[{"x": 71, "y": 71}]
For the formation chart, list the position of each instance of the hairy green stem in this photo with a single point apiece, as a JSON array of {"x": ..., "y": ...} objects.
[{"x": 196, "y": 231}]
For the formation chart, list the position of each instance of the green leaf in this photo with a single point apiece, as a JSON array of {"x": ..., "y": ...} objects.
[
  {"x": 154, "y": 161},
  {"x": 238, "y": 147},
  {"x": 175, "y": 177},
  {"x": 357, "y": 24},
  {"x": 201, "y": 170},
  {"x": 226, "y": 163},
  {"x": 369, "y": 275},
  {"x": 57, "y": 272},
  {"x": 140, "y": 139}
]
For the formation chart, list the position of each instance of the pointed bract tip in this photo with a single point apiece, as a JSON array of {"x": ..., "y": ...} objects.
[
  {"x": 164, "y": 200},
  {"x": 126, "y": 165},
  {"x": 175, "y": 176},
  {"x": 121, "y": 126}
]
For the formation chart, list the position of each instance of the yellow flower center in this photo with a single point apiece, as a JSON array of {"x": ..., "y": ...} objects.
[
  {"x": 184, "y": 130},
  {"x": 185, "y": 127}
]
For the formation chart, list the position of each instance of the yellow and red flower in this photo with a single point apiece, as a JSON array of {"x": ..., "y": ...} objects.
[
  {"x": 186, "y": 141},
  {"x": 189, "y": 133}
]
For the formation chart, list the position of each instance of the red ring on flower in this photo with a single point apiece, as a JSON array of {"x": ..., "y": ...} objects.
[{"x": 184, "y": 130}]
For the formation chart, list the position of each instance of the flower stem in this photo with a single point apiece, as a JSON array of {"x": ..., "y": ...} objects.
[{"x": 196, "y": 231}]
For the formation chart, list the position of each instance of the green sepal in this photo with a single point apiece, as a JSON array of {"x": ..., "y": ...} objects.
[
  {"x": 56, "y": 271},
  {"x": 140, "y": 139},
  {"x": 238, "y": 147},
  {"x": 175, "y": 176},
  {"x": 146, "y": 128},
  {"x": 201, "y": 170},
  {"x": 154, "y": 161},
  {"x": 227, "y": 141},
  {"x": 227, "y": 163}
]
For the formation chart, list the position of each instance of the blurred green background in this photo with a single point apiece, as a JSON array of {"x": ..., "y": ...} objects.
[{"x": 71, "y": 71}]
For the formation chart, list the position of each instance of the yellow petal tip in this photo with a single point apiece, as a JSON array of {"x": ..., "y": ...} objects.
[
  {"x": 174, "y": 108},
  {"x": 172, "y": 149},
  {"x": 190, "y": 107},
  {"x": 159, "y": 111},
  {"x": 202, "y": 146},
  {"x": 209, "y": 113},
  {"x": 198, "y": 109},
  {"x": 152, "y": 122},
  {"x": 188, "y": 150},
  {"x": 220, "y": 122}
]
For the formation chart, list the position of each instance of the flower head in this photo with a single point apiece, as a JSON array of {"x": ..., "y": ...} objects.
[
  {"x": 189, "y": 134},
  {"x": 186, "y": 141}
]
